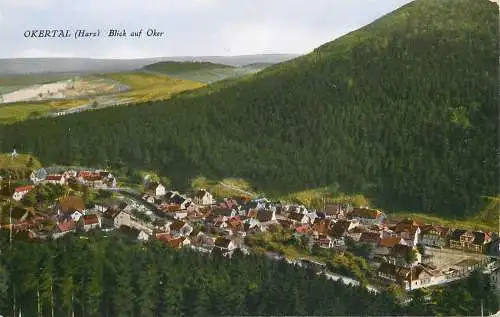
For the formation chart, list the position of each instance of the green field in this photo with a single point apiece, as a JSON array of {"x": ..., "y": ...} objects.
[
  {"x": 19, "y": 111},
  {"x": 148, "y": 87},
  {"x": 143, "y": 87},
  {"x": 7, "y": 162},
  {"x": 9, "y": 83}
]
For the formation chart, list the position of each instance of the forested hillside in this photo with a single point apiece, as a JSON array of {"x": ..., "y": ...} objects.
[
  {"x": 109, "y": 276},
  {"x": 404, "y": 109}
]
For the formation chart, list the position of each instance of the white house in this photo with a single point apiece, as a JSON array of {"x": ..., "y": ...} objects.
[
  {"x": 20, "y": 192},
  {"x": 180, "y": 228},
  {"x": 142, "y": 236},
  {"x": 55, "y": 179},
  {"x": 203, "y": 197},
  {"x": 225, "y": 244},
  {"x": 63, "y": 228},
  {"x": 76, "y": 215},
  {"x": 89, "y": 222},
  {"x": 160, "y": 190},
  {"x": 116, "y": 218}
]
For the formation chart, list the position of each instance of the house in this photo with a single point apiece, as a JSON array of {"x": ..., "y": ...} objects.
[
  {"x": 55, "y": 179},
  {"x": 160, "y": 190},
  {"x": 174, "y": 198},
  {"x": 236, "y": 225},
  {"x": 90, "y": 178},
  {"x": 224, "y": 244},
  {"x": 298, "y": 218},
  {"x": 89, "y": 222},
  {"x": 152, "y": 200},
  {"x": 323, "y": 226},
  {"x": 325, "y": 242},
  {"x": 174, "y": 242},
  {"x": 224, "y": 212},
  {"x": 63, "y": 228},
  {"x": 134, "y": 233},
  {"x": 181, "y": 214},
  {"x": 203, "y": 197},
  {"x": 266, "y": 215},
  {"x": 400, "y": 253},
  {"x": 386, "y": 244},
  {"x": 220, "y": 226},
  {"x": 409, "y": 230},
  {"x": 115, "y": 218},
  {"x": 367, "y": 216},
  {"x": 434, "y": 236},
  {"x": 285, "y": 223},
  {"x": 38, "y": 176},
  {"x": 252, "y": 225},
  {"x": 342, "y": 227},
  {"x": 303, "y": 229},
  {"x": 335, "y": 211},
  {"x": 70, "y": 206},
  {"x": 370, "y": 237},
  {"x": 474, "y": 241},
  {"x": 409, "y": 278},
  {"x": 180, "y": 228},
  {"x": 230, "y": 204},
  {"x": 203, "y": 240},
  {"x": 20, "y": 192},
  {"x": 356, "y": 232}
]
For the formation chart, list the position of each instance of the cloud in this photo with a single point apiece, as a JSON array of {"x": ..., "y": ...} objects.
[
  {"x": 27, "y": 4},
  {"x": 193, "y": 27},
  {"x": 35, "y": 52}
]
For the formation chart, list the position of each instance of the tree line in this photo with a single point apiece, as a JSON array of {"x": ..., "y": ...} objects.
[{"x": 101, "y": 275}]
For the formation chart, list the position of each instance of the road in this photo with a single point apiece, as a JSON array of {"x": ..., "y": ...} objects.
[
  {"x": 329, "y": 275},
  {"x": 348, "y": 281}
]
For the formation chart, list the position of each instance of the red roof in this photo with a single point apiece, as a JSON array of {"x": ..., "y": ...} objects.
[
  {"x": 24, "y": 189},
  {"x": 66, "y": 226},
  {"x": 90, "y": 219},
  {"x": 92, "y": 177},
  {"x": 302, "y": 229},
  {"x": 54, "y": 177}
]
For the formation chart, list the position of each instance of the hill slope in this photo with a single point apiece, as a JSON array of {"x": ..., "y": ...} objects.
[{"x": 404, "y": 109}]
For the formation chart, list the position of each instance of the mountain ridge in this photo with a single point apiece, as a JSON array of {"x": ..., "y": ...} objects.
[{"x": 16, "y": 66}]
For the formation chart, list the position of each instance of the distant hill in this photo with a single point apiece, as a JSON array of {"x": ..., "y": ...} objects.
[
  {"x": 14, "y": 66},
  {"x": 403, "y": 110},
  {"x": 258, "y": 65},
  {"x": 204, "y": 72},
  {"x": 181, "y": 67}
]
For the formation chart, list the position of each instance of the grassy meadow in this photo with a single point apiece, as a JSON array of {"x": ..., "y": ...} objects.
[
  {"x": 147, "y": 86},
  {"x": 143, "y": 87}
]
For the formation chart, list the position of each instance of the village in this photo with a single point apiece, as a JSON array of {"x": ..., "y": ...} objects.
[{"x": 61, "y": 201}]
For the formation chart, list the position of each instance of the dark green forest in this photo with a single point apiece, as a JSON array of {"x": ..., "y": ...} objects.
[
  {"x": 403, "y": 110},
  {"x": 111, "y": 276}
]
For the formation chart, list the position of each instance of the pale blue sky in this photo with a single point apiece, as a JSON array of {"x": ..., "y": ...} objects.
[{"x": 193, "y": 27}]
